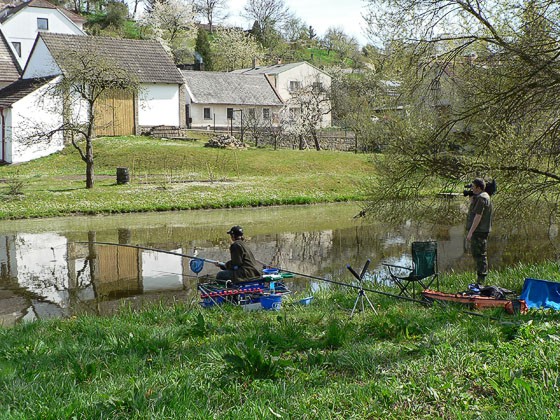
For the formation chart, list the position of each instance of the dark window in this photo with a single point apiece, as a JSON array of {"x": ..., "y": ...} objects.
[
  {"x": 266, "y": 113},
  {"x": 17, "y": 47},
  {"x": 252, "y": 113},
  {"x": 294, "y": 85},
  {"x": 230, "y": 113},
  {"x": 42, "y": 24},
  {"x": 207, "y": 114}
]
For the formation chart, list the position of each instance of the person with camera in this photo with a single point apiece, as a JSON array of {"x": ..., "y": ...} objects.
[
  {"x": 479, "y": 224},
  {"x": 242, "y": 265}
]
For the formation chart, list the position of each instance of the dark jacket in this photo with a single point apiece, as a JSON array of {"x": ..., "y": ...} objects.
[{"x": 242, "y": 262}]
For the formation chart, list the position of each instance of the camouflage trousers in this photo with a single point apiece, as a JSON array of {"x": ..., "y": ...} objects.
[{"x": 479, "y": 251}]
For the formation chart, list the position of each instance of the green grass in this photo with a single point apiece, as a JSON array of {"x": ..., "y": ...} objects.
[
  {"x": 179, "y": 175},
  {"x": 409, "y": 361}
]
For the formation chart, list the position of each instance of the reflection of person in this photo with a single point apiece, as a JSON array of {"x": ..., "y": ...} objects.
[
  {"x": 242, "y": 265},
  {"x": 479, "y": 224}
]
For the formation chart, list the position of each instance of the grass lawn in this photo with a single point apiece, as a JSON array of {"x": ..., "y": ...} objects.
[
  {"x": 180, "y": 361},
  {"x": 179, "y": 175}
]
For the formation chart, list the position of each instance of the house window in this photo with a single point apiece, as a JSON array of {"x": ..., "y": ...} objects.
[
  {"x": 317, "y": 86},
  {"x": 266, "y": 113},
  {"x": 17, "y": 48},
  {"x": 294, "y": 114},
  {"x": 230, "y": 113},
  {"x": 294, "y": 85},
  {"x": 207, "y": 115},
  {"x": 42, "y": 24},
  {"x": 252, "y": 113}
]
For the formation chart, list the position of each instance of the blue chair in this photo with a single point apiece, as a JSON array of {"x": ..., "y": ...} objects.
[{"x": 423, "y": 271}]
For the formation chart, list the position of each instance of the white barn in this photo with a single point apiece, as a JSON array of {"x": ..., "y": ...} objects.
[{"x": 24, "y": 105}]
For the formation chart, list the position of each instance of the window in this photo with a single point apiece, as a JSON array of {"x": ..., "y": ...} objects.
[
  {"x": 266, "y": 113},
  {"x": 317, "y": 86},
  {"x": 252, "y": 113},
  {"x": 230, "y": 113},
  {"x": 42, "y": 24},
  {"x": 207, "y": 115},
  {"x": 294, "y": 114},
  {"x": 17, "y": 48},
  {"x": 294, "y": 85}
]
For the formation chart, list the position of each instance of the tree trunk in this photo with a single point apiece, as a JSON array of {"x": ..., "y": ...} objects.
[
  {"x": 89, "y": 164},
  {"x": 316, "y": 140}
]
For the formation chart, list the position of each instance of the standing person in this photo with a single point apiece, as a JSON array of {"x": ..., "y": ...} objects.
[
  {"x": 242, "y": 265},
  {"x": 479, "y": 224}
]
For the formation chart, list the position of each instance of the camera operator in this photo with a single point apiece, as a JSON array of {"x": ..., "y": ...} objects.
[{"x": 479, "y": 224}]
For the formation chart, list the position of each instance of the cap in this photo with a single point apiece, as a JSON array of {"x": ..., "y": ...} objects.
[
  {"x": 480, "y": 183},
  {"x": 235, "y": 231}
]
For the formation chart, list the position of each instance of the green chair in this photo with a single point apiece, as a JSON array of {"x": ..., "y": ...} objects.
[{"x": 423, "y": 271}]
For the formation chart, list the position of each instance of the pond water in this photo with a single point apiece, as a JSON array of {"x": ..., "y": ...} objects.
[{"x": 50, "y": 267}]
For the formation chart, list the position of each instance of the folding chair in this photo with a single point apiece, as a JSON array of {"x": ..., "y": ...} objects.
[{"x": 423, "y": 270}]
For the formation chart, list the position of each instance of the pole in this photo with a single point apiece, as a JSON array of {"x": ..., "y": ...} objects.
[{"x": 192, "y": 257}]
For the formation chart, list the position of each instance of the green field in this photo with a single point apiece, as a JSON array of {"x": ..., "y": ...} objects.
[
  {"x": 179, "y": 175},
  {"x": 304, "y": 362}
]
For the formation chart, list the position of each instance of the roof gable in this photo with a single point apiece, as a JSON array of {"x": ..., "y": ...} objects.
[
  {"x": 146, "y": 60},
  {"x": 276, "y": 68},
  {"x": 19, "y": 90},
  {"x": 228, "y": 88},
  {"x": 10, "y": 8},
  {"x": 9, "y": 67}
]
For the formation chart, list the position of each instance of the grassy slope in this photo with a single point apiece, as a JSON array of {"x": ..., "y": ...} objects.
[
  {"x": 180, "y": 361},
  {"x": 173, "y": 175}
]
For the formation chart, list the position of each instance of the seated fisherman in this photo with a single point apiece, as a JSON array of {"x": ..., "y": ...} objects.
[{"x": 242, "y": 265}]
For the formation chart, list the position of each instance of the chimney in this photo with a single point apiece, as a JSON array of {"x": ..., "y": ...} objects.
[
  {"x": 255, "y": 62},
  {"x": 278, "y": 61}
]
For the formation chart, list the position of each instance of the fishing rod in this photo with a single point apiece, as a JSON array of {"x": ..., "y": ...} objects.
[
  {"x": 146, "y": 248},
  {"x": 192, "y": 257},
  {"x": 286, "y": 271}
]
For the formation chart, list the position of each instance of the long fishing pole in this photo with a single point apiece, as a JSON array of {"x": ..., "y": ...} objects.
[
  {"x": 280, "y": 269},
  {"x": 146, "y": 248},
  {"x": 192, "y": 257}
]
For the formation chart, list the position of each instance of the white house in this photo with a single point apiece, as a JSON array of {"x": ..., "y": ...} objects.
[
  {"x": 219, "y": 100},
  {"x": 24, "y": 105},
  {"x": 21, "y": 21},
  {"x": 290, "y": 80}
]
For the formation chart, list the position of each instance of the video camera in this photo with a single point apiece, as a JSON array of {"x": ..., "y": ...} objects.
[{"x": 491, "y": 188}]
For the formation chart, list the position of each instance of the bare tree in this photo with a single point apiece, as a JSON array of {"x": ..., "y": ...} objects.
[
  {"x": 269, "y": 15},
  {"x": 499, "y": 117},
  {"x": 212, "y": 10},
  {"x": 307, "y": 107},
  {"x": 86, "y": 77}
]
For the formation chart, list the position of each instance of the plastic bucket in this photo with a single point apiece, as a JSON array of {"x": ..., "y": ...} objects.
[
  {"x": 272, "y": 302},
  {"x": 270, "y": 271}
]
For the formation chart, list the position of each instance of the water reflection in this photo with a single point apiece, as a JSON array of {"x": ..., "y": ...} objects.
[{"x": 52, "y": 268}]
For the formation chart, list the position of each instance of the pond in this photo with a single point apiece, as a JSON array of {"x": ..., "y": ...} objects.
[{"x": 48, "y": 268}]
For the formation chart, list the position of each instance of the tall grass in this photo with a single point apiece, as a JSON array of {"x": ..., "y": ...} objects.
[{"x": 310, "y": 362}]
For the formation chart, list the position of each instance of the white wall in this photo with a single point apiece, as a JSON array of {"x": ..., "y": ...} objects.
[
  {"x": 307, "y": 75},
  {"x": 41, "y": 63},
  {"x": 37, "y": 112},
  {"x": 22, "y": 27},
  {"x": 158, "y": 104}
]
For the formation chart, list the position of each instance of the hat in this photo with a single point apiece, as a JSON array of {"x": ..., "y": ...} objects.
[
  {"x": 235, "y": 231},
  {"x": 480, "y": 183}
]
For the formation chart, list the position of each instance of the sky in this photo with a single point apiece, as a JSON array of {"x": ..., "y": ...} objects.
[{"x": 321, "y": 14}]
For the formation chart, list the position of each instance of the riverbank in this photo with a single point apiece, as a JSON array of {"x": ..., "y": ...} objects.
[
  {"x": 179, "y": 175},
  {"x": 181, "y": 361}
]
